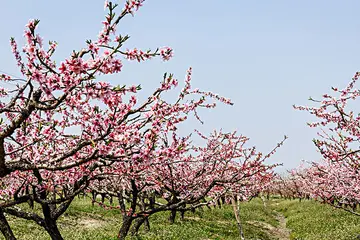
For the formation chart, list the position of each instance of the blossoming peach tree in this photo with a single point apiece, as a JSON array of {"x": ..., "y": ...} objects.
[
  {"x": 53, "y": 130},
  {"x": 335, "y": 179},
  {"x": 63, "y": 131},
  {"x": 184, "y": 175}
]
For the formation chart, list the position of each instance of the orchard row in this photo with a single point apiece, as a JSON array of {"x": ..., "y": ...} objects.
[{"x": 64, "y": 132}]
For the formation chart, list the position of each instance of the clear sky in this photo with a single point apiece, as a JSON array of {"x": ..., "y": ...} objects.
[{"x": 264, "y": 55}]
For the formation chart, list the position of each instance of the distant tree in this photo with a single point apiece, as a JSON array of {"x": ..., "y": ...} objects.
[{"x": 335, "y": 179}]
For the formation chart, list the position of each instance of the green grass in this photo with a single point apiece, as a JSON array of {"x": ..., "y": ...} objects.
[
  {"x": 311, "y": 220},
  {"x": 212, "y": 224},
  {"x": 82, "y": 221},
  {"x": 307, "y": 220}
]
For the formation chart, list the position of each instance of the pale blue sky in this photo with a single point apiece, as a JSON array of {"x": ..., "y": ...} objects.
[{"x": 264, "y": 55}]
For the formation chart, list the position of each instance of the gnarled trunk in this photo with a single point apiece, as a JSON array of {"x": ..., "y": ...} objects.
[
  {"x": 218, "y": 203},
  {"x": 172, "y": 216},
  {"x": 127, "y": 215},
  {"x": 5, "y": 227},
  {"x": 52, "y": 229},
  {"x": 50, "y": 223},
  {"x": 138, "y": 223},
  {"x": 147, "y": 224},
  {"x": 125, "y": 227},
  {"x": 182, "y": 215}
]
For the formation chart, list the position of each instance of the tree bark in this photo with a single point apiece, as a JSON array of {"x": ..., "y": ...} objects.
[
  {"x": 52, "y": 229},
  {"x": 93, "y": 194},
  {"x": 172, "y": 216},
  {"x": 218, "y": 203},
  {"x": 5, "y": 227},
  {"x": 236, "y": 208},
  {"x": 50, "y": 223},
  {"x": 125, "y": 227},
  {"x": 127, "y": 217},
  {"x": 138, "y": 223},
  {"x": 147, "y": 224},
  {"x": 182, "y": 215}
]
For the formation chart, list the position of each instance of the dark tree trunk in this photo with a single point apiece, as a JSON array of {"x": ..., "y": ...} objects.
[
  {"x": 143, "y": 220},
  {"x": 125, "y": 227},
  {"x": 127, "y": 218},
  {"x": 50, "y": 223},
  {"x": 5, "y": 227},
  {"x": 182, "y": 215},
  {"x": 52, "y": 229},
  {"x": 182, "y": 211},
  {"x": 31, "y": 203},
  {"x": 172, "y": 216},
  {"x": 93, "y": 193},
  {"x": 138, "y": 223},
  {"x": 136, "y": 226},
  {"x": 147, "y": 224},
  {"x": 218, "y": 203}
]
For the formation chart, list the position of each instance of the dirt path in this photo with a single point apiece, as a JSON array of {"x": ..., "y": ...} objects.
[{"x": 281, "y": 232}]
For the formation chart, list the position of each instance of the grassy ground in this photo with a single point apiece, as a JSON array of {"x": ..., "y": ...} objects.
[
  {"x": 307, "y": 220},
  {"x": 311, "y": 220},
  {"x": 82, "y": 221}
]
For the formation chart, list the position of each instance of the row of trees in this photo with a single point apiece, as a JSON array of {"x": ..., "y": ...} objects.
[
  {"x": 335, "y": 179},
  {"x": 63, "y": 132},
  {"x": 332, "y": 184}
]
